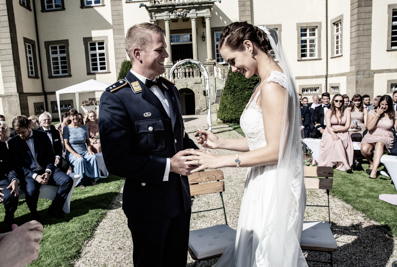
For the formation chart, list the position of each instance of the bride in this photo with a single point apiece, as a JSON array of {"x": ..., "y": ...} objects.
[{"x": 273, "y": 204}]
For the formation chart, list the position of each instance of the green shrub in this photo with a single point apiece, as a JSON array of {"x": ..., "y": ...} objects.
[
  {"x": 125, "y": 67},
  {"x": 235, "y": 96}
]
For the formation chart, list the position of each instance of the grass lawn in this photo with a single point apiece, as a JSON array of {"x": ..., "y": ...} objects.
[
  {"x": 362, "y": 193},
  {"x": 63, "y": 239}
]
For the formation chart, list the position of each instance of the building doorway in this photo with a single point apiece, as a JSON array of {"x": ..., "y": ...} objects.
[{"x": 187, "y": 100}]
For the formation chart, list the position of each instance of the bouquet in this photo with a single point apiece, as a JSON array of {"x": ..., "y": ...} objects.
[{"x": 355, "y": 126}]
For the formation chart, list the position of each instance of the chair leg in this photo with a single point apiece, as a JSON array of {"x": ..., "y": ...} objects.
[
  {"x": 332, "y": 263},
  {"x": 223, "y": 205}
]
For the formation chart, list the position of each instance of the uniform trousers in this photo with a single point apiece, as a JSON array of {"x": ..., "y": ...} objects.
[{"x": 161, "y": 243}]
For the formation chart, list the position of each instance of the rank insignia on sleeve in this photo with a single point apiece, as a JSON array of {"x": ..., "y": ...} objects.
[{"x": 136, "y": 87}]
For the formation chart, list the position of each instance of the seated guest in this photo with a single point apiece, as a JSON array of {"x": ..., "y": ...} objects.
[
  {"x": 305, "y": 101},
  {"x": 12, "y": 132},
  {"x": 33, "y": 159},
  {"x": 78, "y": 151},
  {"x": 394, "y": 96},
  {"x": 366, "y": 101},
  {"x": 81, "y": 118},
  {"x": 8, "y": 185},
  {"x": 316, "y": 102},
  {"x": 4, "y": 131},
  {"x": 34, "y": 122},
  {"x": 336, "y": 146},
  {"x": 305, "y": 113},
  {"x": 93, "y": 131},
  {"x": 375, "y": 103},
  {"x": 319, "y": 118},
  {"x": 45, "y": 120},
  {"x": 358, "y": 118},
  {"x": 379, "y": 124},
  {"x": 346, "y": 101}
]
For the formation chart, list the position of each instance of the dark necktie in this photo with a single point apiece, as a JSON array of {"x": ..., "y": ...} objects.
[{"x": 150, "y": 83}]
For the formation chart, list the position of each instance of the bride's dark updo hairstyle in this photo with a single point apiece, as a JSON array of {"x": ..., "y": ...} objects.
[{"x": 236, "y": 33}]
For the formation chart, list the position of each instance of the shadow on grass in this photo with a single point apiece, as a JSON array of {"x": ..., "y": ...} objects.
[{"x": 363, "y": 246}]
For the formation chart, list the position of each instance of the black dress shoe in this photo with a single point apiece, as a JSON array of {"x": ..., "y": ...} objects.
[
  {"x": 9, "y": 221},
  {"x": 368, "y": 171},
  {"x": 36, "y": 217},
  {"x": 357, "y": 165}
]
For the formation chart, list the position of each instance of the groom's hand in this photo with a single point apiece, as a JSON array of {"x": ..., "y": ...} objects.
[{"x": 178, "y": 163}]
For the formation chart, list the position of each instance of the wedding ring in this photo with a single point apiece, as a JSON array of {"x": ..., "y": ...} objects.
[{"x": 198, "y": 162}]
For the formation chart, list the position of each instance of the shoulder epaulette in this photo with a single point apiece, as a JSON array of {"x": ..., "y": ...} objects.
[
  {"x": 168, "y": 80},
  {"x": 116, "y": 86}
]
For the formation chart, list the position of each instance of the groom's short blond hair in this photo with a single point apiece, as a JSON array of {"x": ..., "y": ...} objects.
[{"x": 139, "y": 36}]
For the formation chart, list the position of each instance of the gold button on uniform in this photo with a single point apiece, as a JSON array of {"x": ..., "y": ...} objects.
[
  {"x": 150, "y": 128},
  {"x": 176, "y": 141}
]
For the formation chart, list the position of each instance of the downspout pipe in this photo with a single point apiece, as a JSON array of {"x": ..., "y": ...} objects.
[
  {"x": 326, "y": 45},
  {"x": 39, "y": 56}
]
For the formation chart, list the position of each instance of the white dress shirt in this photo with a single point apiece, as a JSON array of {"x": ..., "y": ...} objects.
[
  {"x": 325, "y": 111},
  {"x": 159, "y": 94}
]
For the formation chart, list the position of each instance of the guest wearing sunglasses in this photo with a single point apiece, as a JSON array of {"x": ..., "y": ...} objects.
[{"x": 336, "y": 146}]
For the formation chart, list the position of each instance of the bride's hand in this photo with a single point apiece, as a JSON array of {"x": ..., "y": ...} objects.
[
  {"x": 207, "y": 139},
  {"x": 203, "y": 160}
]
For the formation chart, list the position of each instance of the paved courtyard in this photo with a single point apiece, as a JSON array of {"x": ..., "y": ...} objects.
[{"x": 361, "y": 242}]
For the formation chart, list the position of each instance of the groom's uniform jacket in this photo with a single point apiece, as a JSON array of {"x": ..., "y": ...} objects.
[{"x": 137, "y": 137}]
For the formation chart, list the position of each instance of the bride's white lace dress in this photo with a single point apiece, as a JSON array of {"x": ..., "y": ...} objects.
[{"x": 257, "y": 191}]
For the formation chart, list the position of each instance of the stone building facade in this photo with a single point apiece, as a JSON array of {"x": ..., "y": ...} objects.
[{"x": 339, "y": 46}]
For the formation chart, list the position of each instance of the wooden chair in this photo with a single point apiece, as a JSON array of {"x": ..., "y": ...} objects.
[
  {"x": 316, "y": 235},
  {"x": 209, "y": 242}
]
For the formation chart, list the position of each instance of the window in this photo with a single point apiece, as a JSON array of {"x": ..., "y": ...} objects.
[
  {"x": 393, "y": 86},
  {"x": 30, "y": 60},
  {"x": 218, "y": 56},
  {"x": 31, "y": 63},
  {"x": 96, "y": 54},
  {"x": 52, "y": 5},
  {"x": 309, "y": 41},
  {"x": 338, "y": 39},
  {"x": 181, "y": 38},
  {"x": 91, "y": 3},
  {"x": 310, "y": 90},
  {"x": 65, "y": 105},
  {"x": 393, "y": 41},
  {"x": 58, "y": 63},
  {"x": 38, "y": 108},
  {"x": 392, "y": 28},
  {"x": 334, "y": 89},
  {"x": 25, "y": 4}
]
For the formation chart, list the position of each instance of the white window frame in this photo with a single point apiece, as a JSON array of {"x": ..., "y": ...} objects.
[
  {"x": 59, "y": 58},
  {"x": 334, "y": 89},
  {"x": 310, "y": 40},
  {"x": 86, "y": 3},
  {"x": 30, "y": 60},
  {"x": 338, "y": 38},
  {"x": 97, "y": 54},
  {"x": 217, "y": 53},
  {"x": 393, "y": 33},
  {"x": 53, "y": 2}
]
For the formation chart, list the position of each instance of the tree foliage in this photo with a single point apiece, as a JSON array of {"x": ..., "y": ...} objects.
[
  {"x": 235, "y": 96},
  {"x": 125, "y": 67}
]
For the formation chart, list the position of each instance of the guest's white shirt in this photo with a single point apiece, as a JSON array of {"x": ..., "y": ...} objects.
[
  {"x": 159, "y": 94},
  {"x": 325, "y": 111},
  {"x": 314, "y": 105}
]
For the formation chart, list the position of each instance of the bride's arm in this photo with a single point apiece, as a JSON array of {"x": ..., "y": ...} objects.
[{"x": 272, "y": 112}]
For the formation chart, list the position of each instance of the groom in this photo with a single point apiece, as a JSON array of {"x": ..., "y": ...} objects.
[{"x": 143, "y": 140}]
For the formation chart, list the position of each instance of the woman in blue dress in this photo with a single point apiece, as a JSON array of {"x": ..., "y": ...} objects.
[{"x": 78, "y": 151}]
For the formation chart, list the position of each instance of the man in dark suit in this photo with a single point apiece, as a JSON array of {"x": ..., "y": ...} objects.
[
  {"x": 8, "y": 185},
  {"x": 319, "y": 117},
  {"x": 45, "y": 120},
  {"x": 33, "y": 158},
  {"x": 143, "y": 140},
  {"x": 305, "y": 113}
]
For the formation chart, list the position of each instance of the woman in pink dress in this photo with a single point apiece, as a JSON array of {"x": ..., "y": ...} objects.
[
  {"x": 93, "y": 130},
  {"x": 358, "y": 116},
  {"x": 336, "y": 146},
  {"x": 379, "y": 124}
]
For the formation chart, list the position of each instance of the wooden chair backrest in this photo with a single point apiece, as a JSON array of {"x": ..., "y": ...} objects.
[
  {"x": 206, "y": 182},
  {"x": 311, "y": 180}
]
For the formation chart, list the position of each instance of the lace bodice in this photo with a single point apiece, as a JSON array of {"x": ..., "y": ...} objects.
[{"x": 251, "y": 120}]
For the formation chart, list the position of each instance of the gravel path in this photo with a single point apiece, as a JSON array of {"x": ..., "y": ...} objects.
[{"x": 361, "y": 242}]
